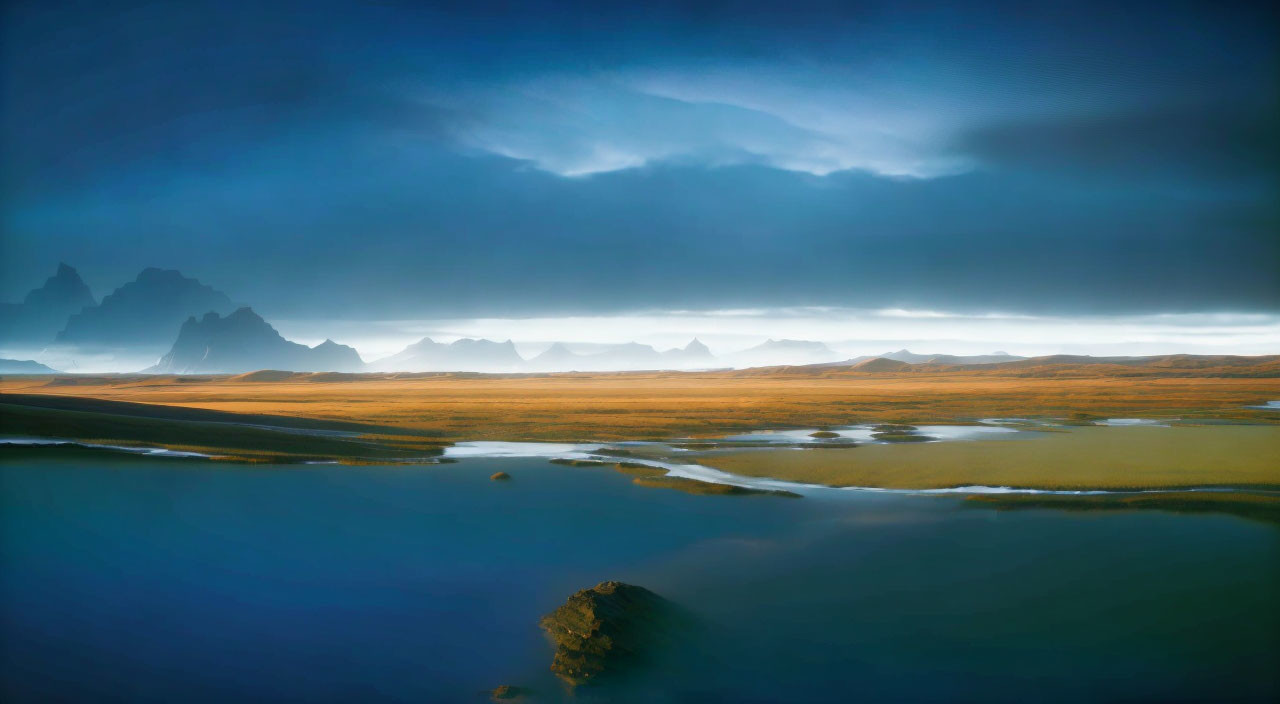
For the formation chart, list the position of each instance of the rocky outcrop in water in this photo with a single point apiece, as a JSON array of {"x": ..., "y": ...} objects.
[
  {"x": 509, "y": 693},
  {"x": 891, "y": 432},
  {"x": 610, "y": 629}
]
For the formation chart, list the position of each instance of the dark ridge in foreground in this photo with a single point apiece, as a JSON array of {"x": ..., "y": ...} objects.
[
  {"x": 1257, "y": 507},
  {"x": 610, "y": 629},
  {"x": 207, "y": 432},
  {"x": 183, "y": 413}
]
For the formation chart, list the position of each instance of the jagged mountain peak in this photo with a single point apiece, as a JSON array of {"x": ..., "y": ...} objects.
[
  {"x": 44, "y": 310},
  {"x": 243, "y": 341},
  {"x": 145, "y": 312},
  {"x": 695, "y": 345},
  {"x": 463, "y": 354},
  {"x": 65, "y": 289}
]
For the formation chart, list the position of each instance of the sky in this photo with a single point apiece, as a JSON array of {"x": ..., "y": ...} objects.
[{"x": 585, "y": 161}]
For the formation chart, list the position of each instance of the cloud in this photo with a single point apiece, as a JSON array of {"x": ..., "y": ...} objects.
[
  {"x": 575, "y": 126},
  {"x": 1205, "y": 141},
  {"x": 398, "y": 159},
  {"x": 849, "y": 331}
]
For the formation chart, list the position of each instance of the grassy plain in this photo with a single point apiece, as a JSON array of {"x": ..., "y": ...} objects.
[
  {"x": 632, "y": 406},
  {"x": 1077, "y": 458}
]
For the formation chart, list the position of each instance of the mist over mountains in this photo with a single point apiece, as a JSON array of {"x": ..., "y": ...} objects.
[
  {"x": 43, "y": 312},
  {"x": 163, "y": 322},
  {"x": 243, "y": 341},
  {"x": 144, "y": 312},
  {"x": 461, "y": 355},
  {"x": 193, "y": 328}
]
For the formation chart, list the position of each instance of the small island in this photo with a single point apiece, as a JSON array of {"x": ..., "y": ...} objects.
[{"x": 609, "y": 629}]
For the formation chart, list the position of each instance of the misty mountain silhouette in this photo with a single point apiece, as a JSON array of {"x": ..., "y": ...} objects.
[
  {"x": 44, "y": 310},
  {"x": 557, "y": 356},
  {"x": 909, "y": 357},
  {"x": 244, "y": 342},
  {"x": 144, "y": 313},
  {"x": 694, "y": 354},
  {"x": 629, "y": 355},
  {"x": 912, "y": 358},
  {"x": 141, "y": 316},
  {"x": 790, "y": 352},
  {"x": 24, "y": 366},
  {"x": 427, "y": 355}
]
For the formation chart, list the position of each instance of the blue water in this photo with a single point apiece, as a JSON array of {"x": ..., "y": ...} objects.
[{"x": 139, "y": 579}]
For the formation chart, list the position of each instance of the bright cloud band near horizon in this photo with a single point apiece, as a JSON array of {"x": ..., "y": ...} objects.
[{"x": 848, "y": 332}]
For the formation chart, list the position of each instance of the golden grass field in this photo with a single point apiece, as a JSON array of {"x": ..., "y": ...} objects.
[
  {"x": 1078, "y": 458},
  {"x": 673, "y": 404}
]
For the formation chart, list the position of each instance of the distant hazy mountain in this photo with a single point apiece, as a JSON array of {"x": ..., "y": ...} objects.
[
  {"x": 144, "y": 313},
  {"x": 913, "y": 358},
  {"x": 44, "y": 310},
  {"x": 557, "y": 357},
  {"x": 694, "y": 355},
  {"x": 789, "y": 352},
  {"x": 1262, "y": 366},
  {"x": 244, "y": 342},
  {"x": 629, "y": 355},
  {"x": 465, "y": 355},
  {"x": 24, "y": 366},
  {"x": 622, "y": 357}
]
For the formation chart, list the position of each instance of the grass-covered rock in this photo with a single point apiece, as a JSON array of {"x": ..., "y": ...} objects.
[{"x": 609, "y": 630}]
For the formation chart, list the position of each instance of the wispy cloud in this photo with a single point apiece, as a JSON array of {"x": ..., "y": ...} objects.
[{"x": 582, "y": 125}]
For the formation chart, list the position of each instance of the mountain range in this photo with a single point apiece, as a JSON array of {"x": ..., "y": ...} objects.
[
  {"x": 630, "y": 355},
  {"x": 142, "y": 316},
  {"x": 778, "y": 352},
  {"x": 427, "y": 355},
  {"x": 198, "y": 329},
  {"x": 43, "y": 312},
  {"x": 24, "y": 366},
  {"x": 909, "y": 357},
  {"x": 243, "y": 341},
  {"x": 145, "y": 312}
]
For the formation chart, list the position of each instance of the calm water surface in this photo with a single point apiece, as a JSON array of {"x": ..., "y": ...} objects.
[{"x": 140, "y": 579}]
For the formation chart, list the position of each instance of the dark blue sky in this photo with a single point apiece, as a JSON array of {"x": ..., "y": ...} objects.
[{"x": 397, "y": 159}]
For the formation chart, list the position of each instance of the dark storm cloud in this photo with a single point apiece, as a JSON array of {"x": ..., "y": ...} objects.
[
  {"x": 395, "y": 159},
  {"x": 1215, "y": 142}
]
